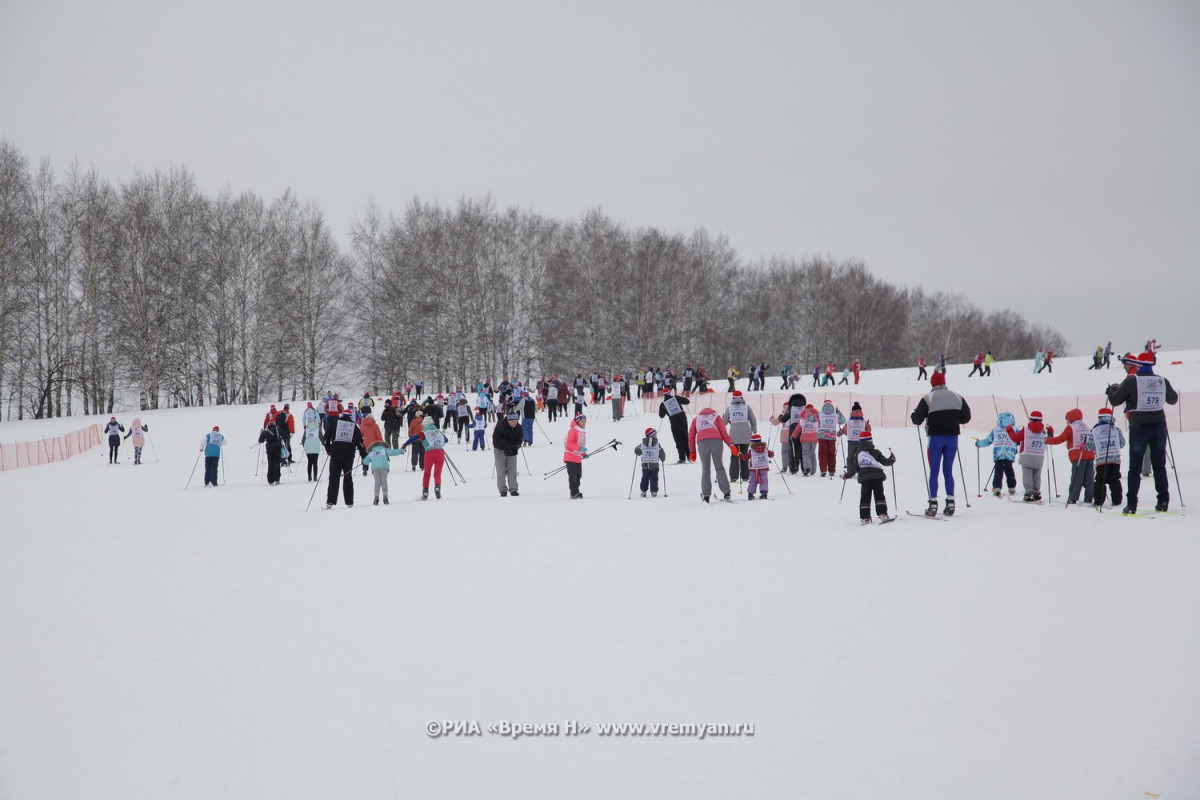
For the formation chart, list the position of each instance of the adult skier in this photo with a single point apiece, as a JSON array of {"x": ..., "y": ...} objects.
[{"x": 943, "y": 412}]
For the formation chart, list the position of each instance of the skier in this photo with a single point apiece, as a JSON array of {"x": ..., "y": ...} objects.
[
  {"x": 758, "y": 463},
  {"x": 1032, "y": 457},
  {"x": 310, "y": 443},
  {"x": 856, "y": 367},
  {"x": 137, "y": 431},
  {"x": 434, "y": 442},
  {"x": 507, "y": 440},
  {"x": 1145, "y": 396},
  {"x": 370, "y": 433},
  {"x": 286, "y": 423},
  {"x": 943, "y": 412},
  {"x": 988, "y": 360},
  {"x": 478, "y": 425},
  {"x": 1004, "y": 453},
  {"x": 739, "y": 419},
  {"x": 1074, "y": 435},
  {"x": 113, "y": 430},
  {"x": 672, "y": 406},
  {"x": 829, "y": 422},
  {"x": 1106, "y": 440},
  {"x": 805, "y": 433},
  {"x": 868, "y": 464},
  {"x": 211, "y": 447},
  {"x": 528, "y": 412},
  {"x": 977, "y": 365},
  {"x": 853, "y": 429},
  {"x": 342, "y": 440},
  {"x": 377, "y": 457},
  {"x": 651, "y": 452},
  {"x": 574, "y": 452},
  {"x": 270, "y": 436},
  {"x": 705, "y": 438},
  {"x": 921, "y": 373},
  {"x": 390, "y": 417}
]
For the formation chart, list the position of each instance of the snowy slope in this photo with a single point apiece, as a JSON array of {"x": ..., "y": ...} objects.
[{"x": 156, "y": 642}]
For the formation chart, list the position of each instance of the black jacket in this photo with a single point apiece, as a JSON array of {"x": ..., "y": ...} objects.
[
  {"x": 506, "y": 438},
  {"x": 943, "y": 411},
  {"x": 1127, "y": 392}
]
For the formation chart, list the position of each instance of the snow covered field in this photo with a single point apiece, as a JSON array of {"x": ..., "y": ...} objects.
[{"x": 162, "y": 643}]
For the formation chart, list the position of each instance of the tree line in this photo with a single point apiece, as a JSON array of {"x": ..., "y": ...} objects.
[{"x": 150, "y": 289}]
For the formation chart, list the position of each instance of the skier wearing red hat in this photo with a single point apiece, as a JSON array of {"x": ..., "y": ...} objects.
[
  {"x": 1105, "y": 440},
  {"x": 1032, "y": 454},
  {"x": 211, "y": 446},
  {"x": 1146, "y": 397},
  {"x": 739, "y": 419},
  {"x": 943, "y": 412},
  {"x": 758, "y": 464}
]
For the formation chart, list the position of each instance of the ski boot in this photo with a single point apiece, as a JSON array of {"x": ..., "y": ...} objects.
[
  {"x": 931, "y": 511},
  {"x": 884, "y": 518},
  {"x": 437, "y": 492},
  {"x": 1161, "y": 507},
  {"x": 385, "y": 501},
  {"x": 376, "y": 502},
  {"x": 643, "y": 494},
  {"x": 949, "y": 511},
  {"x": 504, "y": 494},
  {"x": 995, "y": 492},
  {"x": 727, "y": 498},
  {"x": 424, "y": 494},
  {"x": 514, "y": 493},
  {"x": 1037, "y": 497},
  {"x": 704, "y": 497},
  {"x": 1011, "y": 492},
  {"x": 1129, "y": 509},
  {"x": 762, "y": 495},
  {"x": 864, "y": 522}
]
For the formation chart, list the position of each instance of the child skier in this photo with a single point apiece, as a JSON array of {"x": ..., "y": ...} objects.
[
  {"x": 211, "y": 447},
  {"x": 759, "y": 463},
  {"x": 1004, "y": 453},
  {"x": 310, "y": 441},
  {"x": 377, "y": 459},
  {"x": 574, "y": 452},
  {"x": 829, "y": 422},
  {"x": 137, "y": 431},
  {"x": 651, "y": 452},
  {"x": 1082, "y": 459},
  {"x": 113, "y": 431},
  {"x": 868, "y": 465},
  {"x": 1105, "y": 440},
  {"x": 1032, "y": 440},
  {"x": 434, "y": 442},
  {"x": 853, "y": 430},
  {"x": 806, "y": 433},
  {"x": 478, "y": 425}
]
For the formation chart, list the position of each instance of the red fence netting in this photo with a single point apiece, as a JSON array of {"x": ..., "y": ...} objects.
[{"x": 47, "y": 451}]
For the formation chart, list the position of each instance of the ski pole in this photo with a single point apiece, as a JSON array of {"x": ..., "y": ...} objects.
[
  {"x": 1054, "y": 474},
  {"x": 1178, "y": 491},
  {"x": 632, "y": 477},
  {"x": 153, "y": 449},
  {"x": 924, "y": 465},
  {"x": 454, "y": 468},
  {"x": 843, "y": 494},
  {"x": 963, "y": 477},
  {"x": 989, "y": 478},
  {"x": 189, "y": 483},
  {"x": 526, "y": 460},
  {"x": 318, "y": 482},
  {"x": 663, "y": 468},
  {"x": 543, "y": 430},
  {"x": 221, "y": 456},
  {"x": 892, "y": 467},
  {"x": 978, "y": 485}
]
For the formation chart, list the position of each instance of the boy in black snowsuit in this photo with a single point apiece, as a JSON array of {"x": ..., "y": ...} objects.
[{"x": 868, "y": 465}]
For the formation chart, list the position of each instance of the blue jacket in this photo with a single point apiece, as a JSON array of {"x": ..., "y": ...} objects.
[
  {"x": 1005, "y": 449},
  {"x": 378, "y": 456},
  {"x": 212, "y": 444}
]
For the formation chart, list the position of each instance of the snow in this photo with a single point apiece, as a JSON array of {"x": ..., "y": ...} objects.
[{"x": 157, "y": 642}]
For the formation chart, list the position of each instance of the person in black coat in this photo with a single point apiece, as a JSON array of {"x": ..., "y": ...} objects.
[
  {"x": 271, "y": 437},
  {"x": 672, "y": 408},
  {"x": 868, "y": 464},
  {"x": 342, "y": 440},
  {"x": 506, "y": 445}
]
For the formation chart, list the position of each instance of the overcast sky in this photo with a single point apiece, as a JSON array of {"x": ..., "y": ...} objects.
[{"x": 1041, "y": 156}]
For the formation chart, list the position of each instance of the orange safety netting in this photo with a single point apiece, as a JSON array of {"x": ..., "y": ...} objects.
[{"x": 47, "y": 451}]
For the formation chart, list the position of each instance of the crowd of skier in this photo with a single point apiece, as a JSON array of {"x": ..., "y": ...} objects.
[{"x": 418, "y": 432}]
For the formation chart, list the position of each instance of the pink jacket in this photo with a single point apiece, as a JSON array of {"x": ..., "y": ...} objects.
[
  {"x": 707, "y": 425},
  {"x": 576, "y": 439},
  {"x": 806, "y": 429}
]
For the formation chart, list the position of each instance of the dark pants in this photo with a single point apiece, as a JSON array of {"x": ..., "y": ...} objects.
[
  {"x": 680, "y": 434},
  {"x": 1003, "y": 469},
  {"x": 1108, "y": 481},
  {"x": 922, "y": 374},
  {"x": 114, "y": 444},
  {"x": 1150, "y": 437},
  {"x": 1082, "y": 480},
  {"x": 274, "y": 457},
  {"x": 977, "y": 368},
  {"x": 739, "y": 470},
  {"x": 392, "y": 436},
  {"x": 418, "y": 454},
  {"x": 574, "y": 476},
  {"x": 312, "y": 466},
  {"x": 210, "y": 470},
  {"x": 868, "y": 488},
  {"x": 341, "y": 471},
  {"x": 650, "y": 479}
]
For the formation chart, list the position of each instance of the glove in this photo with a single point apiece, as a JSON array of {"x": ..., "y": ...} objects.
[
  {"x": 733, "y": 448},
  {"x": 845, "y": 477},
  {"x": 585, "y": 455},
  {"x": 583, "y": 451},
  {"x": 1049, "y": 430},
  {"x": 692, "y": 456}
]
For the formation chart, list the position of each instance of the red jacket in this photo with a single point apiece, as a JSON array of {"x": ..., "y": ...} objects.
[
  {"x": 576, "y": 439},
  {"x": 707, "y": 425},
  {"x": 1075, "y": 436}
]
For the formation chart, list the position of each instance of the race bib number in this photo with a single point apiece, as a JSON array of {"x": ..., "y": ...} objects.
[
  {"x": 435, "y": 438},
  {"x": 344, "y": 432},
  {"x": 706, "y": 422},
  {"x": 1151, "y": 393},
  {"x": 739, "y": 413},
  {"x": 1035, "y": 443},
  {"x": 672, "y": 406},
  {"x": 794, "y": 415},
  {"x": 1000, "y": 438},
  {"x": 759, "y": 460},
  {"x": 650, "y": 453},
  {"x": 855, "y": 427}
]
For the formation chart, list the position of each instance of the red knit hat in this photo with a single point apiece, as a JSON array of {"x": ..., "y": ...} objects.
[
  {"x": 737, "y": 392},
  {"x": 651, "y": 432},
  {"x": 756, "y": 439},
  {"x": 1035, "y": 416},
  {"x": 937, "y": 379}
]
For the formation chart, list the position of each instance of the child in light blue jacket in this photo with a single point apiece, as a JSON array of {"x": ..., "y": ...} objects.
[
  {"x": 1004, "y": 453},
  {"x": 377, "y": 458}
]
